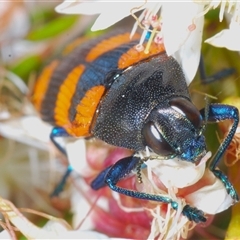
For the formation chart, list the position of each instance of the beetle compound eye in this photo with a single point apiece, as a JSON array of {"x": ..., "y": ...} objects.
[
  {"x": 186, "y": 108},
  {"x": 154, "y": 139}
]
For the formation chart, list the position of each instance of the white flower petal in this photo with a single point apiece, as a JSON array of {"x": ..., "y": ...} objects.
[
  {"x": 87, "y": 8},
  {"x": 212, "y": 198},
  {"x": 179, "y": 41},
  {"x": 82, "y": 235},
  {"x": 107, "y": 18},
  {"x": 5, "y": 235},
  {"x": 54, "y": 229},
  {"x": 81, "y": 207},
  {"x": 63, "y": 233},
  {"x": 29, "y": 130},
  {"x": 177, "y": 173},
  {"x": 76, "y": 151},
  {"x": 110, "y": 12},
  {"x": 41, "y": 132},
  {"x": 176, "y": 23},
  {"x": 188, "y": 56},
  {"x": 228, "y": 38}
]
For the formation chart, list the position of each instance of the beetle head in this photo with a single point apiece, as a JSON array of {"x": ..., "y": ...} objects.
[{"x": 174, "y": 129}]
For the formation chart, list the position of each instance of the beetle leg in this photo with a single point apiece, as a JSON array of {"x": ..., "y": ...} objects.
[
  {"x": 215, "y": 77},
  {"x": 99, "y": 181},
  {"x": 229, "y": 187},
  {"x": 59, "y": 188},
  {"x": 60, "y": 132},
  {"x": 193, "y": 214},
  {"x": 216, "y": 113},
  {"x": 113, "y": 174}
]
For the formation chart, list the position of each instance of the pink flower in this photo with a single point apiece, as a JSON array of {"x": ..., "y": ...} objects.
[
  {"x": 117, "y": 215},
  {"x": 113, "y": 214}
]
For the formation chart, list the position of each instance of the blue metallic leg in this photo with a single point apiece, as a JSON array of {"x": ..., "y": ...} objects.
[
  {"x": 215, "y": 77},
  {"x": 216, "y": 113},
  {"x": 60, "y": 132},
  {"x": 59, "y": 188},
  {"x": 113, "y": 174},
  {"x": 99, "y": 181}
]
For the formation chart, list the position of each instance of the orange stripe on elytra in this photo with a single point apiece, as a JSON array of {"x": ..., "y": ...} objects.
[
  {"x": 64, "y": 98},
  {"x": 133, "y": 56},
  {"x": 42, "y": 83},
  {"x": 109, "y": 44},
  {"x": 86, "y": 110}
]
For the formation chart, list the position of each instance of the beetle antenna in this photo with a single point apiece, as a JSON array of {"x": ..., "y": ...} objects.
[
  {"x": 206, "y": 109},
  {"x": 142, "y": 159},
  {"x": 139, "y": 169}
]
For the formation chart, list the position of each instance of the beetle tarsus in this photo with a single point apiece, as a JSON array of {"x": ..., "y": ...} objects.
[
  {"x": 229, "y": 187},
  {"x": 194, "y": 214}
]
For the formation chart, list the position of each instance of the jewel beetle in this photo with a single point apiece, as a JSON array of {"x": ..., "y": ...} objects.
[{"x": 105, "y": 88}]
